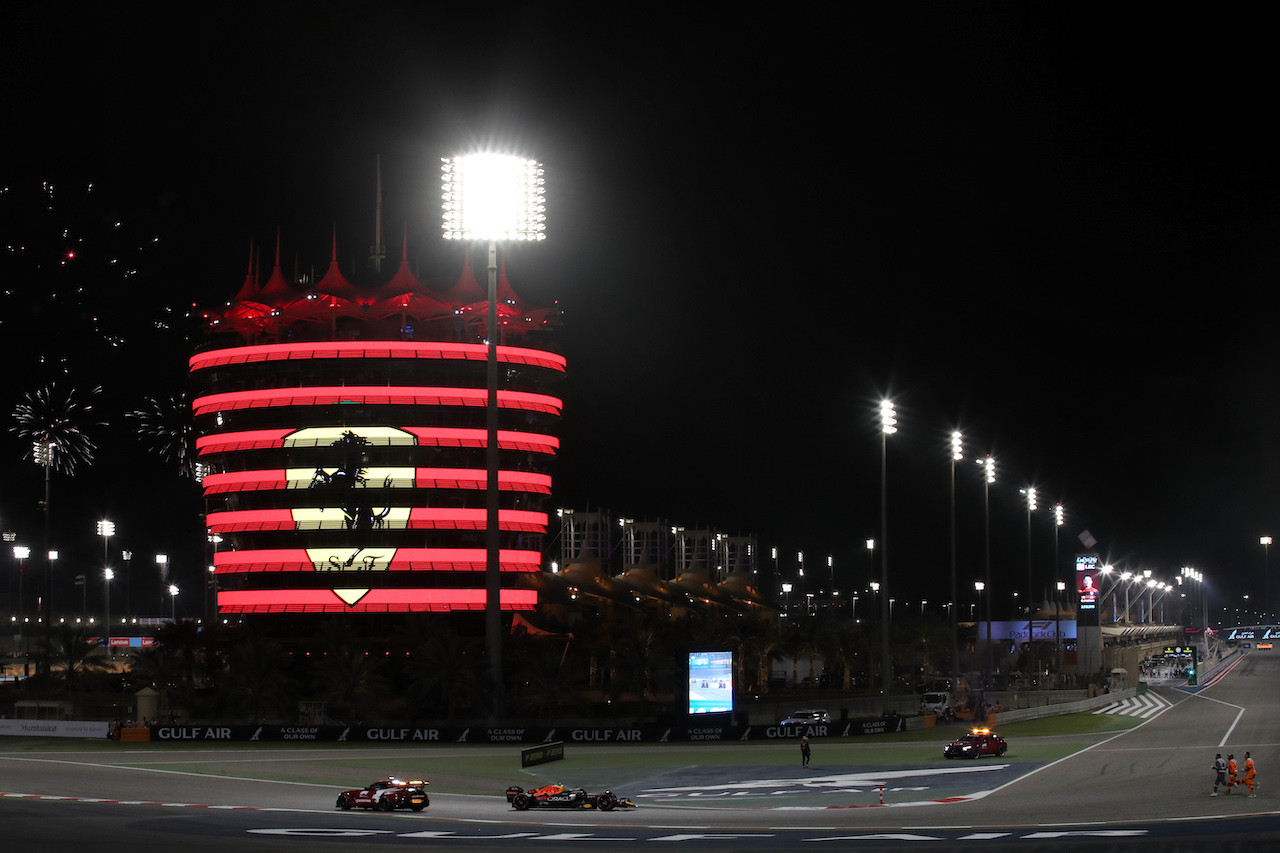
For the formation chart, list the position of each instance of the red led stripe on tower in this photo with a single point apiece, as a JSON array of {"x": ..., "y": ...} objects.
[
  {"x": 381, "y": 349},
  {"x": 372, "y": 601},
  {"x": 405, "y": 560},
  {"x": 329, "y": 395}
]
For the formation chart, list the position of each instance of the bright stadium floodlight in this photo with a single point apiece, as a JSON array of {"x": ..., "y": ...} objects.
[{"x": 492, "y": 197}]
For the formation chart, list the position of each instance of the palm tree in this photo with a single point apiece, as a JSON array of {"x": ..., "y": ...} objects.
[
  {"x": 348, "y": 679},
  {"x": 545, "y": 676},
  {"x": 73, "y": 662},
  {"x": 163, "y": 670},
  {"x": 646, "y": 664},
  {"x": 257, "y": 682},
  {"x": 445, "y": 669}
]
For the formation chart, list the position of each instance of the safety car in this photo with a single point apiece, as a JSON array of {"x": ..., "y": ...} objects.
[
  {"x": 975, "y": 744},
  {"x": 387, "y": 795}
]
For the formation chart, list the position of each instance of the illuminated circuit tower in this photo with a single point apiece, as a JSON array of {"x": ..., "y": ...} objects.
[{"x": 341, "y": 434}]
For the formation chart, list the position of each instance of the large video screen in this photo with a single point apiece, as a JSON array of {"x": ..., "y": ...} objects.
[
  {"x": 1088, "y": 580},
  {"x": 1088, "y": 588},
  {"x": 710, "y": 682}
]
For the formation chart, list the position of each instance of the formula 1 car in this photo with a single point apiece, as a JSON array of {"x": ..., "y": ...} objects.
[
  {"x": 386, "y": 795},
  {"x": 560, "y": 797},
  {"x": 976, "y": 744}
]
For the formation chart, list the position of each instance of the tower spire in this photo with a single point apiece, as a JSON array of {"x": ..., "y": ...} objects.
[{"x": 379, "y": 250}]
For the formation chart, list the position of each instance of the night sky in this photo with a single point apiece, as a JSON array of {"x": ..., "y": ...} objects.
[{"x": 1054, "y": 228}]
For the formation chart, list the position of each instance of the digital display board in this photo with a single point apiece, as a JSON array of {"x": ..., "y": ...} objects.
[
  {"x": 1088, "y": 588},
  {"x": 710, "y": 682},
  {"x": 1088, "y": 581}
]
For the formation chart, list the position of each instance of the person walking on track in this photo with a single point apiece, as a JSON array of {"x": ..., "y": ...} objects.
[
  {"x": 1220, "y": 774},
  {"x": 804, "y": 752},
  {"x": 1232, "y": 779},
  {"x": 1250, "y": 774}
]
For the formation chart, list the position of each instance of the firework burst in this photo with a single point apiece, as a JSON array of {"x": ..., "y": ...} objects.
[
  {"x": 58, "y": 418},
  {"x": 165, "y": 427}
]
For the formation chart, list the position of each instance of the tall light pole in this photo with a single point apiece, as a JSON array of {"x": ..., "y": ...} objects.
[
  {"x": 9, "y": 537},
  {"x": 978, "y": 587},
  {"x": 162, "y": 563},
  {"x": 831, "y": 564},
  {"x": 493, "y": 197},
  {"x": 777, "y": 578},
  {"x": 957, "y": 453},
  {"x": 107, "y": 576},
  {"x": 888, "y": 426},
  {"x": 43, "y": 452},
  {"x": 107, "y": 529},
  {"x": 1057, "y": 628},
  {"x": 20, "y": 555},
  {"x": 1032, "y": 506},
  {"x": 126, "y": 556},
  {"x": 1059, "y": 518},
  {"x": 1265, "y": 542},
  {"x": 988, "y": 477},
  {"x": 173, "y": 602},
  {"x": 1128, "y": 579}
]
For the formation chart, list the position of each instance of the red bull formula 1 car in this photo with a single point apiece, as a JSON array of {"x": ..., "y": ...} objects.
[
  {"x": 560, "y": 797},
  {"x": 386, "y": 795}
]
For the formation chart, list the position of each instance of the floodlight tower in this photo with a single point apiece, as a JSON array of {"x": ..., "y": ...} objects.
[
  {"x": 43, "y": 453},
  {"x": 1032, "y": 506},
  {"x": 988, "y": 477},
  {"x": 493, "y": 197},
  {"x": 888, "y": 426},
  {"x": 1265, "y": 542},
  {"x": 957, "y": 453}
]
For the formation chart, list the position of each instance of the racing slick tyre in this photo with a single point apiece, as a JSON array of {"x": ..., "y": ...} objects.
[
  {"x": 1002, "y": 751},
  {"x": 386, "y": 804},
  {"x": 520, "y": 802},
  {"x": 343, "y": 803},
  {"x": 605, "y": 802}
]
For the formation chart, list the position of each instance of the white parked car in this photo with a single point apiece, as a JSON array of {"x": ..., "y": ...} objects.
[{"x": 806, "y": 718}]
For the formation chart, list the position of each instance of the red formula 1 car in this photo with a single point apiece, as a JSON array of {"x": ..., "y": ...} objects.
[
  {"x": 386, "y": 795},
  {"x": 560, "y": 797},
  {"x": 976, "y": 744}
]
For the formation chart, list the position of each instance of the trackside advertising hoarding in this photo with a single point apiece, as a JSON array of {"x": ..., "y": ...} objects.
[
  {"x": 55, "y": 728},
  {"x": 430, "y": 735}
]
